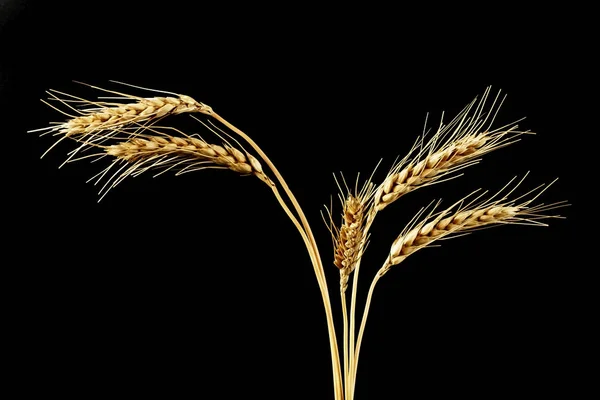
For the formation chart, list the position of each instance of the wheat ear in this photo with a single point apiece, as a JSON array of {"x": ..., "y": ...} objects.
[
  {"x": 187, "y": 154},
  {"x": 456, "y": 220},
  {"x": 145, "y": 109},
  {"x": 96, "y": 116},
  {"x": 454, "y": 146},
  {"x": 93, "y": 122},
  {"x": 350, "y": 238},
  {"x": 179, "y": 154}
]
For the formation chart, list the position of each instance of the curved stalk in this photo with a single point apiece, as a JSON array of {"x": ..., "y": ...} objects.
[
  {"x": 361, "y": 333},
  {"x": 345, "y": 339},
  {"x": 317, "y": 262},
  {"x": 352, "y": 369},
  {"x": 294, "y": 221}
]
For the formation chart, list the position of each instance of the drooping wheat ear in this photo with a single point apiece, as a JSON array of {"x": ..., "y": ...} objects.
[
  {"x": 145, "y": 109},
  {"x": 461, "y": 218},
  {"x": 453, "y": 147},
  {"x": 141, "y": 148},
  {"x": 183, "y": 154},
  {"x": 88, "y": 117}
]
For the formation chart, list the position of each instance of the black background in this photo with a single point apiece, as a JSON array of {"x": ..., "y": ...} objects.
[{"x": 199, "y": 283}]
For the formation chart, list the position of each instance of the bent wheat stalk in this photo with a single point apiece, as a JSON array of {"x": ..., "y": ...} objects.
[
  {"x": 317, "y": 264},
  {"x": 95, "y": 130},
  {"x": 183, "y": 154}
]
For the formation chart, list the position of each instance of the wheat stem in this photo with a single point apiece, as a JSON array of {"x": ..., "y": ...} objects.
[
  {"x": 363, "y": 323},
  {"x": 345, "y": 340},
  {"x": 352, "y": 371},
  {"x": 294, "y": 220},
  {"x": 317, "y": 261}
]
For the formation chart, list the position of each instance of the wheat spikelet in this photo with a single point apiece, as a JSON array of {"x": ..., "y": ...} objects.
[
  {"x": 454, "y": 146},
  {"x": 460, "y": 219}
]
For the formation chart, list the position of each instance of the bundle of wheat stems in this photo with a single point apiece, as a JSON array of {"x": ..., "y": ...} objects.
[{"x": 126, "y": 130}]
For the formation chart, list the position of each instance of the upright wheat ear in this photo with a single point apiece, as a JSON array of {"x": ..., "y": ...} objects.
[
  {"x": 414, "y": 175},
  {"x": 350, "y": 238},
  {"x": 454, "y": 146},
  {"x": 427, "y": 233},
  {"x": 461, "y": 218}
]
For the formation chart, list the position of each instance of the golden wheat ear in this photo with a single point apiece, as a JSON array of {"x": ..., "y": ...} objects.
[
  {"x": 178, "y": 154},
  {"x": 350, "y": 238},
  {"x": 454, "y": 146},
  {"x": 159, "y": 151},
  {"x": 463, "y": 217},
  {"x": 95, "y": 120}
]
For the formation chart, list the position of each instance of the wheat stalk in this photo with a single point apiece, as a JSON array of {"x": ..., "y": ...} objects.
[{"x": 311, "y": 244}]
